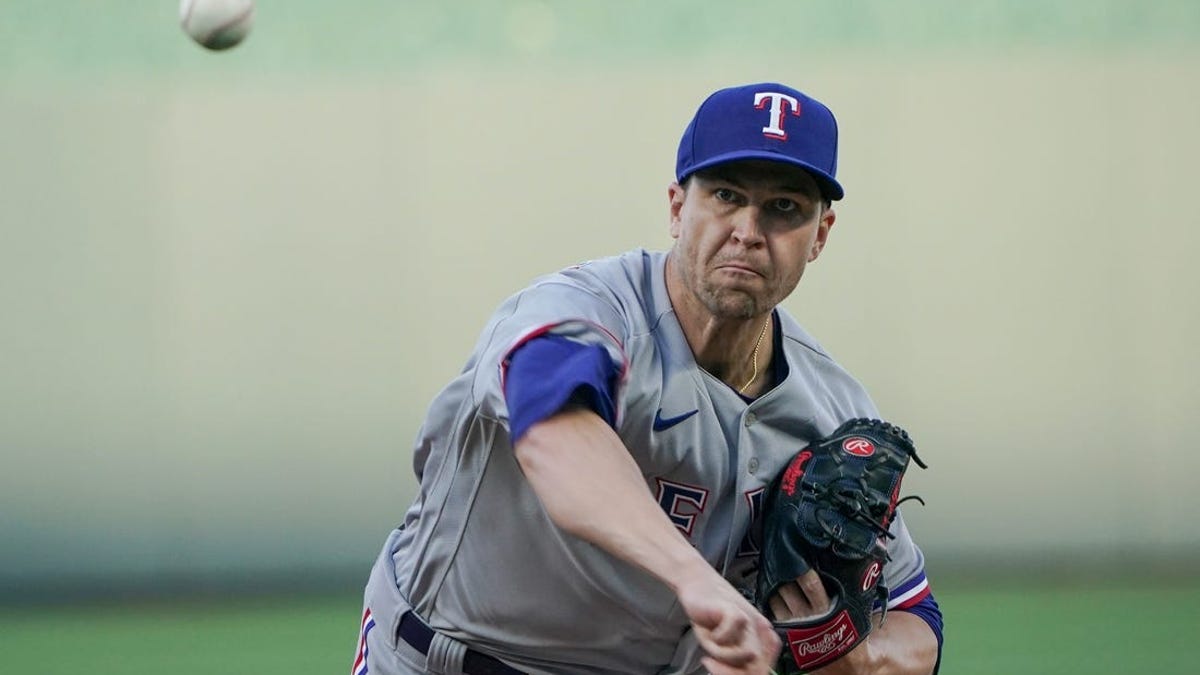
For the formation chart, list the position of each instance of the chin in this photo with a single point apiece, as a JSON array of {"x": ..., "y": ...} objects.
[{"x": 728, "y": 304}]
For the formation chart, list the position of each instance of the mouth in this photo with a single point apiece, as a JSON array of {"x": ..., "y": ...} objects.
[{"x": 738, "y": 268}]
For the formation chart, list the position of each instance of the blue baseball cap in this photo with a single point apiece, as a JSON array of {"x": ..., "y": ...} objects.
[{"x": 763, "y": 121}]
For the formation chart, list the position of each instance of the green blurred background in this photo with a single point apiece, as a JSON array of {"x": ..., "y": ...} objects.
[{"x": 232, "y": 282}]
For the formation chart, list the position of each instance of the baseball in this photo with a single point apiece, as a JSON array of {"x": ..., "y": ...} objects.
[{"x": 216, "y": 24}]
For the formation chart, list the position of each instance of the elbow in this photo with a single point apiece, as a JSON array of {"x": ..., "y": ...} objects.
[
  {"x": 539, "y": 449},
  {"x": 543, "y": 470},
  {"x": 533, "y": 453},
  {"x": 540, "y": 458},
  {"x": 552, "y": 455}
]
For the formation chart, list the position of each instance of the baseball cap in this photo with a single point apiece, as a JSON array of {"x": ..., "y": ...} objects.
[{"x": 767, "y": 121}]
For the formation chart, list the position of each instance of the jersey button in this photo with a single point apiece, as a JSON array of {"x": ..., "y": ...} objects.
[
  {"x": 751, "y": 418},
  {"x": 752, "y": 464}
]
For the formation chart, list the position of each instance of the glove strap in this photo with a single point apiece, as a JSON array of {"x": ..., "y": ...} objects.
[{"x": 815, "y": 646}]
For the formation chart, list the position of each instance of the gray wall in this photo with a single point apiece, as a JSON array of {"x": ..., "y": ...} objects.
[{"x": 232, "y": 282}]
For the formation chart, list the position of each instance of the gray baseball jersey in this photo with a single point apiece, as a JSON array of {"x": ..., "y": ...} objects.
[{"x": 479, "y": 559}]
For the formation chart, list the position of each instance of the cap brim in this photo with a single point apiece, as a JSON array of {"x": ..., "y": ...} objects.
[{"x": 830, "y": 188}]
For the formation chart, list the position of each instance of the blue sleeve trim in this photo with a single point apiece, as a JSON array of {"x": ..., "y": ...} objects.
[
  {"x": 550, "y": 372},
  {"x": 929, "y": 611}
]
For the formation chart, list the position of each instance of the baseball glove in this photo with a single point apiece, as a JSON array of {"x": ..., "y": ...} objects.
[{"x": 829, "y": 510}]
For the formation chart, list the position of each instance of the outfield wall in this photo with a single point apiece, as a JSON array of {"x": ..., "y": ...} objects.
[{"x": 231, "y": 283}]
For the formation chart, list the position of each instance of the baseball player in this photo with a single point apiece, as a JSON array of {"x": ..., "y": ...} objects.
[{"x": 590, "y": 483}]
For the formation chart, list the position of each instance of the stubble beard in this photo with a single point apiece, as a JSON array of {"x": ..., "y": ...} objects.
[
  {"x": 729, "y": 303},
  {"x": 740, "y": 303},
  {"x": 721, "y": 301}
]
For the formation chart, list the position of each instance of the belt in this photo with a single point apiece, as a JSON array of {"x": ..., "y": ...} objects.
[{"x": 419, "y": 636}]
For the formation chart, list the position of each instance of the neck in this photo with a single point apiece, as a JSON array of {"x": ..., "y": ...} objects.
[{"x": 754, "y": 365}]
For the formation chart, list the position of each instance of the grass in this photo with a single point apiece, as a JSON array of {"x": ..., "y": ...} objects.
[
  {"x": 303, "y": 635},
  {"x": 1065, "y": 631},
  {"x": 1060, "y": 631}
]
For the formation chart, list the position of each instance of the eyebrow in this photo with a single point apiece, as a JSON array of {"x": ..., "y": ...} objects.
[{"x": 785, "y": 187}]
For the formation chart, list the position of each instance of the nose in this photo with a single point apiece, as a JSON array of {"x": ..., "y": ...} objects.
[{"x": 748, "y": 226}]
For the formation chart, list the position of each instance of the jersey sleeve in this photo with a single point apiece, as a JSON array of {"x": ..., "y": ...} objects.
[
  {"x": 549, "y": 372},
  {"x": 560, "y": 308},
  {"x": 904, "y": 574},
  {"x": 908, "y": 587},
  {"x": 927, "y": 609}
]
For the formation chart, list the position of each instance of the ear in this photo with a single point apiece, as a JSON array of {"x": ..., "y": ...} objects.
[
  {"x": 676, "y": 195},
  {"x": 828, "y": 216}
]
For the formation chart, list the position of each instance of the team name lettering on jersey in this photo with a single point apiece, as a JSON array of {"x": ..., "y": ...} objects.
[
  {"x": 749, "y": 545},
  {"x": 682, "y": 503},
  {"x": 779, "y": 105}
]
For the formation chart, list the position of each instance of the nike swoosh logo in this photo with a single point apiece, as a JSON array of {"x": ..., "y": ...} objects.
[{"x": 662, "y": 424}]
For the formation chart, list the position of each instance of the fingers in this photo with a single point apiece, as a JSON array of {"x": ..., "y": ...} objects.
[
  {"x": 814, "y": 591},
  {"x": 804, "y": 598},
  {"x": 735, "y": 638},
  {"x": 769, "y": 640},
  {"x": 730, "y": 630},
  {"x": 731, "y": 642},
  {"x": 779, "y": 608},
  {"x": 794, "y": 600},
  {"x": 764, "y": 656}
]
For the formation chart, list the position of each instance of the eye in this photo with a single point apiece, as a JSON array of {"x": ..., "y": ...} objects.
[
  {"x": 784, "y": 205},
  {"x": 725, "y": 195}
]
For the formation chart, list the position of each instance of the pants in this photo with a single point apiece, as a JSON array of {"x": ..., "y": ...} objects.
[{"x": 379, "y": 651}]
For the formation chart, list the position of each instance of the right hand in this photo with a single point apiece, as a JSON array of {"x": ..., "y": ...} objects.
[{"x": 735, "y": 637}]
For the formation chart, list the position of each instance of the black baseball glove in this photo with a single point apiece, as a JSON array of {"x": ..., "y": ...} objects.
[{"x": 829, "y": 510}]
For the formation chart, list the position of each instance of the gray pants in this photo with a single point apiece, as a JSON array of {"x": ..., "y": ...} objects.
[{"x": 379, "y": 650}]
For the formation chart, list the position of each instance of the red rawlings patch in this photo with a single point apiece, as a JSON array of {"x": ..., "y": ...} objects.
[
  {"x": 858, "y": 446},
  {"x": 812, "y": 647},
  {"x": 793, "y": 472}
]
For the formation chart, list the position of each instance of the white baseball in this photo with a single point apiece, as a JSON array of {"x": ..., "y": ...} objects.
[{"x": 217, "y": 24}]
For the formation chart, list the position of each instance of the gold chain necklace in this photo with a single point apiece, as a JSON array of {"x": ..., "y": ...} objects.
[{"x": 754, "y": 356}]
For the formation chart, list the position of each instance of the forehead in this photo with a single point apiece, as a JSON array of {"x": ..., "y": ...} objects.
[{"x": 763, "y": 174}]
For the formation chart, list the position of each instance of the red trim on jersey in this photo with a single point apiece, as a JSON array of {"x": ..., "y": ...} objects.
[
  {"x": 535, "y": 333},
  {"x": 924, "y": 593}
]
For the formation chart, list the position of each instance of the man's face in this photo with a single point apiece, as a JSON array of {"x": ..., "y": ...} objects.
[{"x": 744, "y": 232}]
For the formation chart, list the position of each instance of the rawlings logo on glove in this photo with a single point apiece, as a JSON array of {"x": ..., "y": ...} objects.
[{"x": 829, "y": 510}]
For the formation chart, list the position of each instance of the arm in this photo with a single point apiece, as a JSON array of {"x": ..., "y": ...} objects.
[
  {"x": 592, "y": 488},
  {"x": 904, "y": 645}
]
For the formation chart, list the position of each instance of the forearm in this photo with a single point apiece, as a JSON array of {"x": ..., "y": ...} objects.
[
  {"x": 591, "y": 487},
  {"x": 904, "y": 645}
]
